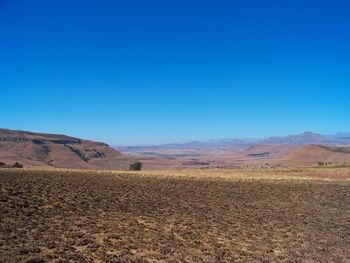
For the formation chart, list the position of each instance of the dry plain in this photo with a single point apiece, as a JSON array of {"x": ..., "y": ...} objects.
[{"x": 288, "y": 215}]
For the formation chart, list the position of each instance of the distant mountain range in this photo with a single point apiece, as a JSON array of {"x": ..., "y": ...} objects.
[
  {"x": 309, "y": 138},
  {"x": 298, "y": 139}
]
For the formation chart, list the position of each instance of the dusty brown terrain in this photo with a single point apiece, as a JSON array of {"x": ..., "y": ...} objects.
[
  {"x": 175, "y": 216},
  {"x": 159, "y": 158},
  {"x": 44, "y": 150},
  {"x": 285, "y": 155}
]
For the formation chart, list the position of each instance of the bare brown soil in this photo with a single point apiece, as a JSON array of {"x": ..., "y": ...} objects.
[{"x": 62, "y": 216}]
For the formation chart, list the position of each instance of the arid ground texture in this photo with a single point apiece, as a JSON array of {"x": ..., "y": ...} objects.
[{"x": 267, "y": 216}]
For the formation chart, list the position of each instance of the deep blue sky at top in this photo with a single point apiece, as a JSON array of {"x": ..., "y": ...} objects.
[{"x": 145, "y": 72}]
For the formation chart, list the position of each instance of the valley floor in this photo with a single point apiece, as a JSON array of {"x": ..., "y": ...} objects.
[{"x": 175, "y": 216}]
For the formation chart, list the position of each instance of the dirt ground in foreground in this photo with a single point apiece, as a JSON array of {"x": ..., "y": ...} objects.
[{"x": 48, "y": 216}]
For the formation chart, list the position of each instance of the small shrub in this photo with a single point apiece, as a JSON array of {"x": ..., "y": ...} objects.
[
  {"x": 17, "y": 165},
  {"x": 136, "y": 166}
]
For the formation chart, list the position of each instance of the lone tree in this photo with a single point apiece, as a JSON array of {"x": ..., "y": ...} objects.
[
  {"x": 17, "y": 165},
  {"x": 136, "y": 166}
]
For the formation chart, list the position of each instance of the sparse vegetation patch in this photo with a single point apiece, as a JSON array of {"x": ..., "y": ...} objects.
[
  {"x": 17, "y": 165},
  {"x": 136, "y": 166}
]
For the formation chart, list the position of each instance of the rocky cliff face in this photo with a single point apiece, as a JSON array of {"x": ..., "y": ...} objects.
[{"x": 39, "y": 149}]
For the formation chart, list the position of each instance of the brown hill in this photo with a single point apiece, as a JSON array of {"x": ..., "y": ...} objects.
[
  {"x": 313, "y": 154},
  {"x": 39, "y": 149}
]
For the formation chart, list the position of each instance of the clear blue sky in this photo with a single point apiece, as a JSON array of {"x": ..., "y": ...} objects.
[{"x": 146, "y": 72}]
